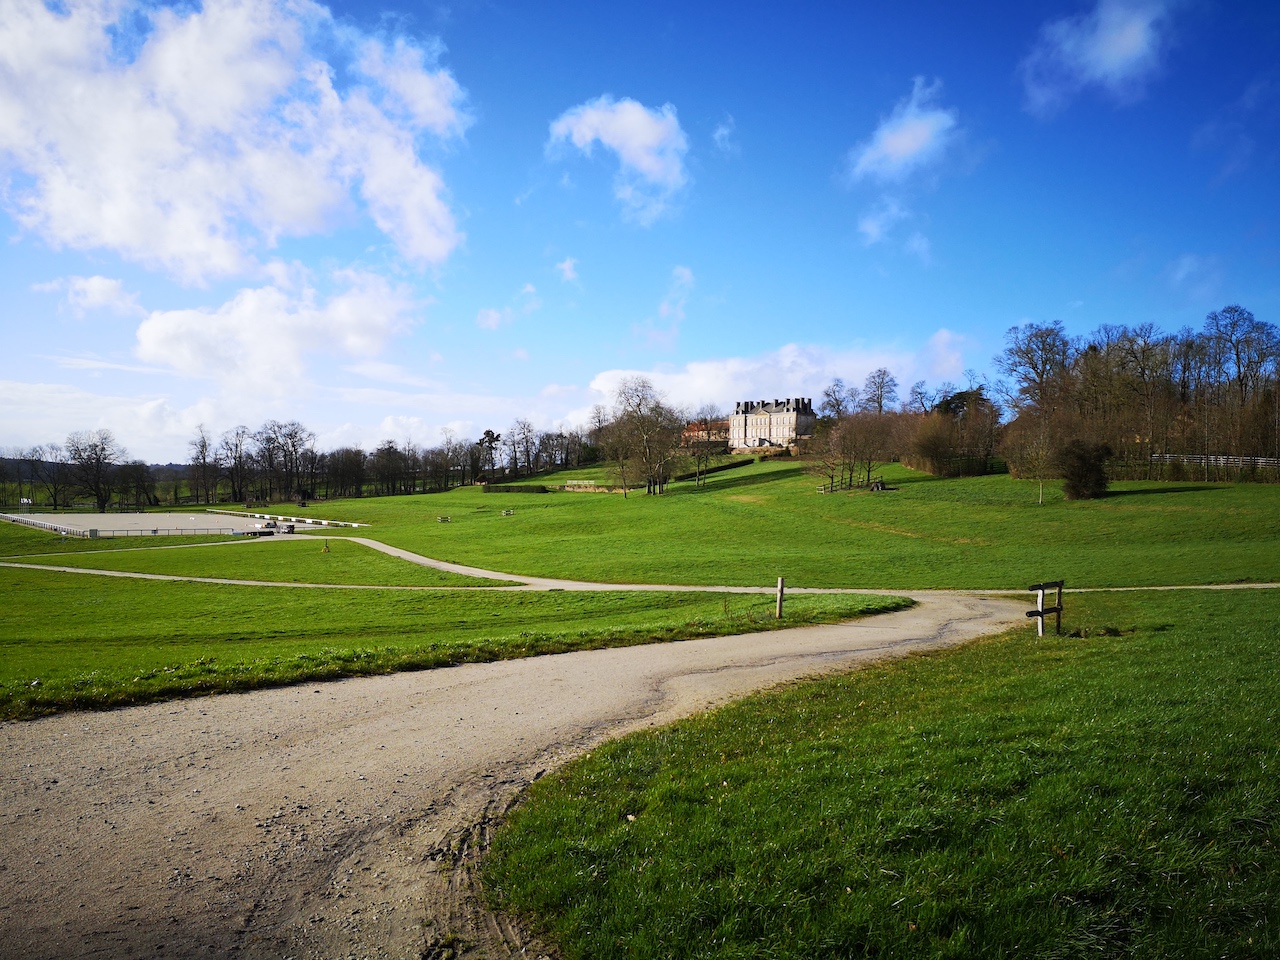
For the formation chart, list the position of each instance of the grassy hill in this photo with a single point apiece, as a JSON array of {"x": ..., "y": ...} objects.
[{"x": 766, "y": 520}]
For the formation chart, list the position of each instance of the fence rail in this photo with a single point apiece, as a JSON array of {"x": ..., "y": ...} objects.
[
  {"x": 1200, "y": 460},
  {"x": 96, "y": 533},
  {"x": 848, "y": 483},
  {"x": 42, "y": 525},
  {"x": 309, "y": 521}
]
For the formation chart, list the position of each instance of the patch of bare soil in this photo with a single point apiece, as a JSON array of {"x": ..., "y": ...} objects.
[{"x": 345, "y": 819}]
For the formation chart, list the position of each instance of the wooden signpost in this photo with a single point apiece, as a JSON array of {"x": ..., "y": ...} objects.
[{"x": 1040, "y": 612}]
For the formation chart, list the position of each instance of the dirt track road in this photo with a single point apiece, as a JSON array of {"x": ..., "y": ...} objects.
[{"x": 341, "y": 819}]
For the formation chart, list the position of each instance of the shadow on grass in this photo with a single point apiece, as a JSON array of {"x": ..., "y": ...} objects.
[
  {"x": 1181, "y": 488},
  {"x": 751, "y": 480}
]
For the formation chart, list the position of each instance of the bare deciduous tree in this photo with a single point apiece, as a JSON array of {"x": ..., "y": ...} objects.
[
  {"x": 50, "y": 466},
  {"x": 880, "y": 391},
  {"x": 94, "y": 456}
]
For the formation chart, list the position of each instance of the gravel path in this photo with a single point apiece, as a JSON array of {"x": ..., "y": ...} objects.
[{"x": 343, "y": 819}]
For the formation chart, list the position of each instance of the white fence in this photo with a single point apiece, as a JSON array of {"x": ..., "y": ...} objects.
[
  {"x": 308, "y": 521},
  {"x": 1237, "y": 463},
  {"x": 94, "y": 533}
]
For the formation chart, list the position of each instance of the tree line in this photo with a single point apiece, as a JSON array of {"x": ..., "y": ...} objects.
[
  {"x": 1130, "y": 402},
  {"x": 1123, "y": 402},
  {"x": 1202, "y": 404},
  {"x": 276, "y": 462}
]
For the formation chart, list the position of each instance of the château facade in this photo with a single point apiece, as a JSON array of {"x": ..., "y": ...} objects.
[{"x": 759, "y": 423}]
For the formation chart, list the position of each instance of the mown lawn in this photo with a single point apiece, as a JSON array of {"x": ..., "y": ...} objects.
[
  {"x": 752, "y": 525},
  {"x": 1112, "y": 794},
  {"x": 73, "y": 641},
  {"x": 277, "y": 561}
]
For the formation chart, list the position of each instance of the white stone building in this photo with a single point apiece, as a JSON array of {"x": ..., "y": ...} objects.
[{"x": 759, "y": 423}]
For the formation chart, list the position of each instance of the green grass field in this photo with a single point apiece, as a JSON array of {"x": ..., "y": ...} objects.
[
  {"x": 71, "y": 641},
  {"x": 1109, "y": 795},
  {"x": 277, "y": 561},
  {"x": 751, "y": 526}
]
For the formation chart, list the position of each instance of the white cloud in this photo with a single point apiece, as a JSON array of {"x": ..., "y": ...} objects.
[
  {"x": 876, "y": 224},
  {"x": 429, "y": 97},
  {"x": 649, "y": 144},
  {"x": 391, "y": 373},
  {"x": 942, "y": 357},
  {"x": 95, "y": 363},
  {"x": 914, "y": 136},
  {"x": 84, "y": 294},
  {"x": 795, "y": 370},
  {"x": 1117, "y": 46},
  {"x": 568, "y": 268},
  {"x": 257, "y": 341},
  {"x": 192, "y": 139},
  {"x": 723, "y": 138},
  {"x": 149, "y": 426}
]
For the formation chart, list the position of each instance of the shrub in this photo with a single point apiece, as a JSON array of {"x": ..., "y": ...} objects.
[{"x": 1084, "y": 470}]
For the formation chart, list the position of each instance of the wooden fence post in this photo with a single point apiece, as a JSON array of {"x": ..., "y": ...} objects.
[
  {"x": 777, "y": 615},
  {"x": 1040, "y": 612}
]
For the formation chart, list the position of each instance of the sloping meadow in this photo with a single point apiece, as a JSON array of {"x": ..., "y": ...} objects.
[{"x": 752, "y": 525}]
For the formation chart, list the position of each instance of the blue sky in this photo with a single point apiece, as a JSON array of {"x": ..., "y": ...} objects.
[{"x": 390, "y": 219}]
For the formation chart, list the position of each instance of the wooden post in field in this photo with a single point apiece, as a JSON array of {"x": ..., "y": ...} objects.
[
  {"x": 782, "y": 583},
  {"x": 1040, "y": 612}
]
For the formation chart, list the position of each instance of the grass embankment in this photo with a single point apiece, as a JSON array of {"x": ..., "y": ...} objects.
[
  {"x": 752, "y": 525},
  {"x": 275, "y": 561},
  {"x": 1107, "y": 795},
  {"x": 69, "y": 641}
]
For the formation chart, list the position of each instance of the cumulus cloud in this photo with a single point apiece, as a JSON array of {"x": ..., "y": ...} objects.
[
  {"x": 1117, "y": 47},
  {"x": 258, "y": 340},
  {"x": 193, "y": 138},
  {"x": 649, "y": 144},
  {"x": 149, "y": 425},
  {"x": 795, "y": 370},
  {"x": 915, "y": 135},
  {"x": 86, "y": 294}
]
